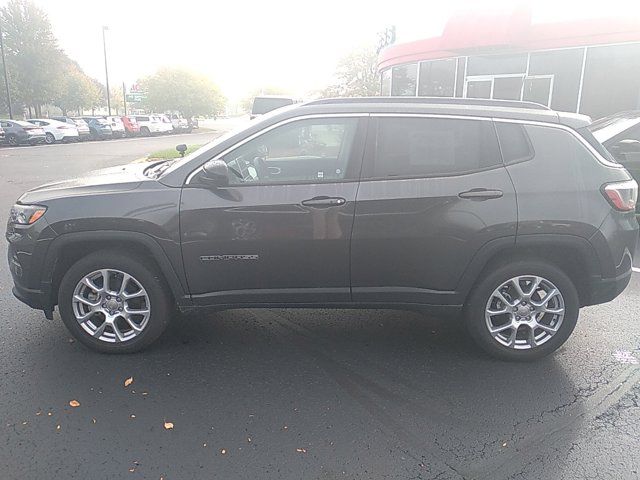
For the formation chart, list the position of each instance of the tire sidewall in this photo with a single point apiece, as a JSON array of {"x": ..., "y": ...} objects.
[
  {"x": 152, "y": 282},
  {"x": 475, "y": 309}
]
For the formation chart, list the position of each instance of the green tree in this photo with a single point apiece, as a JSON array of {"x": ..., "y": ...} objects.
[
  {"x": 175, "y": 89},
  {"x": 32, "y": 54},
  {"x": 76, "y": 90},
  {"x": 356, "y": 75}
]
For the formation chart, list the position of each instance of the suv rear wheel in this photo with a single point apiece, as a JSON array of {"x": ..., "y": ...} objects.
[
  {"x": 522, "y": 311},
  {"x": 112, "y": 303}
]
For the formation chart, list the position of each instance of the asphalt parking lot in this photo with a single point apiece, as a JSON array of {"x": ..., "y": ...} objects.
[{"x": 305, "y": 394}]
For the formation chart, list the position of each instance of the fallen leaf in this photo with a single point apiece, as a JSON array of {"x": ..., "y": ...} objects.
[
  {"x": 132, "y": 469},
  {"x": 38, "y": 413},
  {"x": 223, "y": 451},
  {"x": 145, "y": 393},
  {"x": 93, "y": 420},
  {"x": 74, "y": 403},
  {"x": 504, "y": 444},
  {"x": 57, "y": 427},
  {"x": 24, "y": 423},
  {"x": 301, "y": 450},
  {"x": 168, "y": 425},
  {"x": 249, "y": 439},
  {"x": 133, "y": 416},
  {"x": 128, "y": 381}
]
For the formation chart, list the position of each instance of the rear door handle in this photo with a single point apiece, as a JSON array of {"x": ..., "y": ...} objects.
[
  {"x": 324, "y": 201},
  {"x": 481, "y": 194}
]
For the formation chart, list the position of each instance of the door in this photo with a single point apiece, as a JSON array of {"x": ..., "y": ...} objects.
[
  {"x": 280, "y": 232},
  {"x": 434, "y": 191}
]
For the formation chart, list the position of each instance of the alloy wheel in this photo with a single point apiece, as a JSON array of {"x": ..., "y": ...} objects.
[
  {"x": 111, "y": 305},
  {"x": 524, "y": 312}
]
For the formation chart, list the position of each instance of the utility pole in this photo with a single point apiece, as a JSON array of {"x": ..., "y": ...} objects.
[
  {"x": 6, "y": 78},
  {"x": 124, "y": 98},
  {"x": 106, "y": 70}
]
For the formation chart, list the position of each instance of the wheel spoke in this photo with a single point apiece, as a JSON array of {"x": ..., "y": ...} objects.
[
  {"x": 554, "y": 311},
  {"x": 129, "y": 296},
  {"x": 117, "y": 332},
  {"x": 546, "y": 298},
  {"x": 546, "y": 328},
  {"x": 531, "y": 338},
  {"x": 497, "y": 312},
  {"x": 125, "y": 279},
  {"x": 100, "y": 330},
  {"x": 105, "y": 280},
  {"x": 136, "y": 312},
  {"x": 516, "y": 284},
  {"x": 86, "y": 301},
  {"x": 132, "y": 324},
  {"x": 534, "y": 286},
  {"x": 89, "y": 283},
  {"x": 503, "y": 299},
  {"x": 501, "y": 328}
]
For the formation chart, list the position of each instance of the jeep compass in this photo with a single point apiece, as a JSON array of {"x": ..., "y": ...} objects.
[{"x": 507, "y": 214}]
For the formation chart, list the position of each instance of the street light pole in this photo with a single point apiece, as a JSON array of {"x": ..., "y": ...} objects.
[
  {"x": 6, "y": 78},
  {"x": 106, "y": 70}
]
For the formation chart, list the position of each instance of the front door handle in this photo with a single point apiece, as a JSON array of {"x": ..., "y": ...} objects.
[
  {"x": 324, "y": 201},
  {"x": 481, "y": 194}
]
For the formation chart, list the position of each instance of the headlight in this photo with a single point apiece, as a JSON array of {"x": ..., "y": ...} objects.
[{"x": 26, "y": 214}]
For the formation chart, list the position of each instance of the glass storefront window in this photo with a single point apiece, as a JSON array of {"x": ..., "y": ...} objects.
[
  {"x": 437, "y": 78},
  {"x": 538, "y": 90},
  {"x": 479, "y": 89},
  {"x": 507, "y": 88},
  {"x": 385, "y": 83},
  {"x": 404, "y": 79}
]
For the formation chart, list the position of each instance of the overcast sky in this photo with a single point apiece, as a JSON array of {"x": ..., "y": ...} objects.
[{"x": 242, "y": 45}]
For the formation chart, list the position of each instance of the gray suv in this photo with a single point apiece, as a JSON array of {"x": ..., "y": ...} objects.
[{"x": 508, "y": 214}]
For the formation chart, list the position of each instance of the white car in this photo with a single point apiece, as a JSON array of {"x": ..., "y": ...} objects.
[
  {"x": 56, "y": 131},
  {"x": 180, "y": 124},
  {"x": 149, "y": 124},
  {"x": 167, "y": 126},
  {"x": 116, "y": 126}
]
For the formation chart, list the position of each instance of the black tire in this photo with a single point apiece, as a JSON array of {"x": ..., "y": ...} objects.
[
  {"x": 151, "y": 280},
  {"x": 49, "y": 138},
  {"x": 474, "y": 311},
  {"x": 144, "y": 131},
  {"x": 12, "y": 140}
]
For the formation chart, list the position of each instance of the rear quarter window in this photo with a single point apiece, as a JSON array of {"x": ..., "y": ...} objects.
[
  {"x": 514, "y": 142},
  {"x": 428, "y": 147}
]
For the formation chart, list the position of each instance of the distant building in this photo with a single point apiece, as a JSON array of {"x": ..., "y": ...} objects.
[{"x": 587, "y": 66}]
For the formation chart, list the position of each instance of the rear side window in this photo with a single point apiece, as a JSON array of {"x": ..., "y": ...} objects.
[
  {"x": 514, "y": 142},
  {"x": 433, "y": 147}
]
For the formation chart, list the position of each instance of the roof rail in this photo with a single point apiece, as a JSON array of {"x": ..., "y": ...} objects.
[{"x": 432, "y": 101}]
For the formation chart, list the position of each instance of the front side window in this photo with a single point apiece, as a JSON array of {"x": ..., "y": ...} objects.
[
  {"x": 312, "y": 150},
  {"x": 433, "y": 147}
]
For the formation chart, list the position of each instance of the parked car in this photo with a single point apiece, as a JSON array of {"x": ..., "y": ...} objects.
[
  {"x": 179, "y": 123},
  {"x": 506, "y": 213},
  {"x": 18, "y": 132},
  {"x": 167, "y": 126},
  {"x": 99, "y": 127},
  {"x": 84, "y": 133},
  {"x": 56, "y": 131},
  {"x": 131, "y": 126},
  {"x": 117, "y": 127},
  {"x": 194, "y": 123},
  {"x": 149, "y": 124},
  {"x": 620, "y": 134},
  {"x": 267, "y": 103}
]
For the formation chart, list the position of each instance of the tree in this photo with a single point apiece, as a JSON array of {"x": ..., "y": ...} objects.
[
  {"x": 356, "y": 75},
  {"x": 175, "y": 89},
  {"x": 76, "y": 90},
  {"x": 32, "y": 54}
]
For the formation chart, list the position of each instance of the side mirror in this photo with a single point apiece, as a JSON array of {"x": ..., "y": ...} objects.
[
  {"x": 180, "y": 148},
  {"x": 214, "y": 173}
]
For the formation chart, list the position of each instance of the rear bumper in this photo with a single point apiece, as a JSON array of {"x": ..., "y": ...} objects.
[{"x": 606, "y": 289}]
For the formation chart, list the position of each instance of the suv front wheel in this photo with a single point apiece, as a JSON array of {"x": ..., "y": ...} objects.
[
  {"x": 523, "y": 310},
  {"x": 112, "y": 303}
]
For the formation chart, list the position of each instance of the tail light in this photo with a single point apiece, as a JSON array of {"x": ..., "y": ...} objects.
[{"x": 621, "y": 195}]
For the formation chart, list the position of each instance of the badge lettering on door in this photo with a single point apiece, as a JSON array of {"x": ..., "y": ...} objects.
[{"x": 218, "y": 258}]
